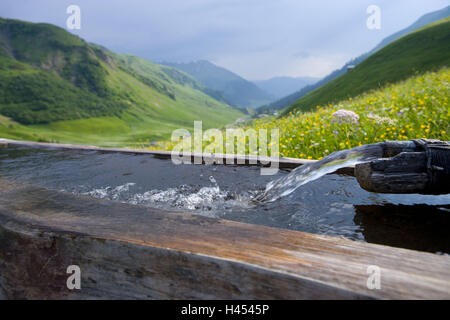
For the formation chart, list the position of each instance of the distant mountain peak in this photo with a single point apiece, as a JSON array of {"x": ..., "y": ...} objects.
[
  {"x": 235, "y": 89},
  {"x": 282, "y": 86}
]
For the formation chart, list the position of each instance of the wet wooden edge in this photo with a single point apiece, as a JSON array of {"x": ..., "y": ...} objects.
[
  {"x": 284, "y": 162},
  {"x": 274, "y": 162},
  {"x": 160, "y": 254}
]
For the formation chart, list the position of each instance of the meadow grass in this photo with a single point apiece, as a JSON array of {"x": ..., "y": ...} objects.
[{"x": 411, "y": 109}]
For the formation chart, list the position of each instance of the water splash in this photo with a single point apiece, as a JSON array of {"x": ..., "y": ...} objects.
[
  {"x": 206, "y": 200},
  {"x": 109, "y": 193},
  {"x": 313, "y": 171}
]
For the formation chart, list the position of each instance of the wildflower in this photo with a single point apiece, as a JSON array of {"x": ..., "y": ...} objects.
[
  {"x": 381, "y": 120},
  {"x": 345, "y": 116}
]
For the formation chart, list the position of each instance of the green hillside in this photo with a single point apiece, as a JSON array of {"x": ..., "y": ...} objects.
[
  {"x": 54, "y": 86},
  {"x": 426, "y": 49}
]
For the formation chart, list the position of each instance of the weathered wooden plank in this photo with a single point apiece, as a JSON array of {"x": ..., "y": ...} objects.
[
  {"x": 393, "y": 148},
  {"x": 407, "y": 172},
  {"x": 404, "y": 162},
  {"x": 404, "y": 173},
  {"x": 282, "y": 162},
  {"x": 129, "y": 251}
]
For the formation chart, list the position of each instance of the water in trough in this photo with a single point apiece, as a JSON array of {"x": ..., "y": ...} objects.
[{"x": 328, "y": 204}]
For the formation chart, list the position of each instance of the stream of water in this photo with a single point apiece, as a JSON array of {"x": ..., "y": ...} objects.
[{"x": 312, "y": 171}]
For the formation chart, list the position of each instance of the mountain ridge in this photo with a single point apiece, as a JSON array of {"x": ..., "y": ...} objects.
[
  {"x": 235, "y": 89},
  {"x": 283, "y": 86}
]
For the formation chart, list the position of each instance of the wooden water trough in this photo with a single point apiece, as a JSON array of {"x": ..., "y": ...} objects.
[{"x": 135, "y": 252}]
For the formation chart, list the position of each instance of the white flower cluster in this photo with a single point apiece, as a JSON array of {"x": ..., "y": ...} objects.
[
  {"x": 345, "y": 116},
  {"x": 381, "y": 120}
]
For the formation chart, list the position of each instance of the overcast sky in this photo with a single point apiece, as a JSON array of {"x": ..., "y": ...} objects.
[{"x": 257, "y": 39}]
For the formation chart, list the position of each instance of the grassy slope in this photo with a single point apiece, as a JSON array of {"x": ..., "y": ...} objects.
[
  {"x": 144, "y": 101},
  {"x": 423, "y": 50},
  {"x": 411, "y": 109}
]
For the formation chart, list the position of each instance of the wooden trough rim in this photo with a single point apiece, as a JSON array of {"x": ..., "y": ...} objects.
[
  {"x": 316, "y": 266},
  {"x": 249, "y": 160},
  {"x": 283, "y": 162}
]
